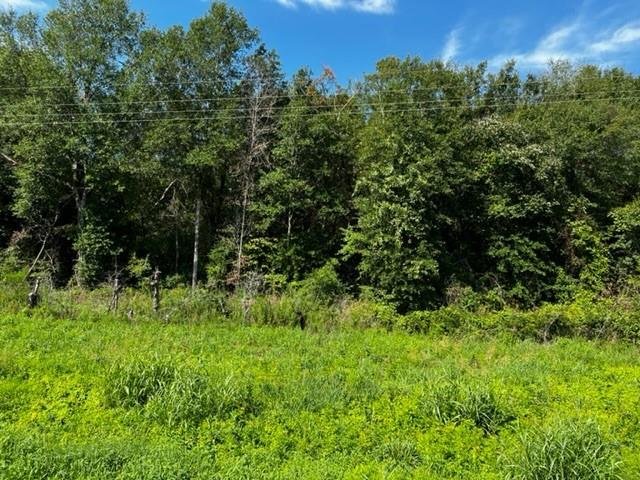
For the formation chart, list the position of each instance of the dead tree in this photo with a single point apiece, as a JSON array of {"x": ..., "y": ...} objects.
[
  {"x": 42, "y": 247},
  {"x": 155, "y": 289},
  {"x": 262, "y": 86},
  {"x": 196, "y": 242},
  {"x": 34, "y": 297},
  {"x": 251, "y": 286}
]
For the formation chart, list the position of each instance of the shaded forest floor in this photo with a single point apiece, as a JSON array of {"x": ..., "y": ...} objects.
[{"x": 113, "y": 399}]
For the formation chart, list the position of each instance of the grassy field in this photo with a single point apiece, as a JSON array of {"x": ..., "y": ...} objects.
[{"x": 110, "y": 399}]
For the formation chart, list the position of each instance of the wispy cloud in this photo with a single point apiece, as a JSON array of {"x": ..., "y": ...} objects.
[
  {"x": 366, "y": 6},
  {"x": 452, "y": 45},
  {"x": 578, "y": 41},
  {"x": 23, "y": 4},
  {"x": 626, "y": 36}
]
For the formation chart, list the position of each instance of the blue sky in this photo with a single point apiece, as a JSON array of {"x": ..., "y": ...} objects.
[{"x": 351, "y": 35}]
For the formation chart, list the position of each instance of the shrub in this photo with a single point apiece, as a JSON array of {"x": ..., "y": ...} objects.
[
  {"x": 94, "y": 248},
  {"x": 444, "y": 320},
  {"x": 370, "y": 314},
  {"x": 182, "y": 305},
  {"x": 322, "y": 285},
  {"x": 273, "y": 310},
  {"x": 219, "y": 263},
  {"x": 568, "y": 451},
  {"x": 139, "y": 270}
]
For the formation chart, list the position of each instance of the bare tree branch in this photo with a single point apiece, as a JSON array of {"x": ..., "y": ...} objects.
[
  {"x": 9, "y": 159},
  {"x": 42, "y": 247},
  {"x": 164, "y": 194}
]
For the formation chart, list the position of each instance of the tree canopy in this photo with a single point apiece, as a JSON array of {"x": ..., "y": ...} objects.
[{"x": 187, "y": 147}]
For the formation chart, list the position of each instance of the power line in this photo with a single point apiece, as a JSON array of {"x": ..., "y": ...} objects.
[
  {"x": 585, "y": 95},
  {"x": 345, "y": 113},
  {"x": 523, "y": 81}
]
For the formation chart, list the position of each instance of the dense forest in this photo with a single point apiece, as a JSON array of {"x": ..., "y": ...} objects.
[{"x": 125, "y": 148}]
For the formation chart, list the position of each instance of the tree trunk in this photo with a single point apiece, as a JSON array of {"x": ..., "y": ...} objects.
[
  {"x": 80, "y": 197},
  {"x": 155, "y": 290},
  {"x": 177, "y": 259},
  {"x": 243, "y": 222},
  {"x": 196, "y": 243}
]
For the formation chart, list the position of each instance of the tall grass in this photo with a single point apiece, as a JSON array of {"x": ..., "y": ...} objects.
[
  {"x": 565, "y": 450},
  {"x": 135, "y": 383},
  {"x": 456, "y": 401},
  {"x": 113, "y": 399}
]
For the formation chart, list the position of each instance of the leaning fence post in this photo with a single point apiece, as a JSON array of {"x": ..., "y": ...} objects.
[
  {"x": 34, "y": 296},
  {"x": 115, "y": 297},
  {"x": 155, "y": 289}
]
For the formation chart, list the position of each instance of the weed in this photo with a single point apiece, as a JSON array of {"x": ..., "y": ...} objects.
[{"x": 566, "y": 450}]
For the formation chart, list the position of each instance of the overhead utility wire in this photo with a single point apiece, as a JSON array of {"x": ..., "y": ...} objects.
[{"x": 361, "y": 113}]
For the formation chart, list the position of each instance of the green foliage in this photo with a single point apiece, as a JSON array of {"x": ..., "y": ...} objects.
[
  {"x": 489, "y": 198},
  {"x": 139, "y": 269},
  {"x": 213, "y": 400},
  {"x": 219, "y": 264},
  {"x": 401, "y": 454},
  {"x": 590, "y": 256},
  {"x": 135, "y": 383},
  {"x": 445, "y": 320},
  {"x": 94, "y": 248},
  {"x": 486, "y": 221},
  {"x": 371, "y": 314},
  {"x": 193, "y": 397},
  {"x": 567, "y": 450},
  {"x": 457, "y": 400},
  {"x": 304, "y": 200},
  {"x": 625, "y": 231},
  {"x": 322, "y": 286}
]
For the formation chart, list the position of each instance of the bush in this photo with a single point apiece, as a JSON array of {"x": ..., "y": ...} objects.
[
  {"x": 370, "y": 314},
  {"x": 322, "y": 285},
  {"x": 219, "y": 264},
  {"x": 445, "y": 320},
  {"x": 273, "y": 310},
  {"x": 568, "y": 451},
  {"x": 139, "y": 270},
  {"x": 94, "y": 248}
]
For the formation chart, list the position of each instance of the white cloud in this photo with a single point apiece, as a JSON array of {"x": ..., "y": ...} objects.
[
  {"x": 367, "y": 6},
  {"x": 577, "y": 42},
  {"x": 452, "y": 46},
  {"x": 619, "y": 40},
  {"x": 374, "y": 6},
  {"x": 27, "y": 4}
]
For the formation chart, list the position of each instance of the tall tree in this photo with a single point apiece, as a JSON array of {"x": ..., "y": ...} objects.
[
  {"x": 86, "y": 43},
  {"x": 261, "y": 89},
  {"x": 304, "y": 200},
  {"x": 189, "y": 81},
  {"x": 408, "y": 178}
]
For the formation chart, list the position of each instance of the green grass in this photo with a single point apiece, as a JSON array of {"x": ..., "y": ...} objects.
[{"x": 98, "y": 399}]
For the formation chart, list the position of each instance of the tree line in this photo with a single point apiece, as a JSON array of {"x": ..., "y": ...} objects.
[{"x": 124, "y": 148}]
